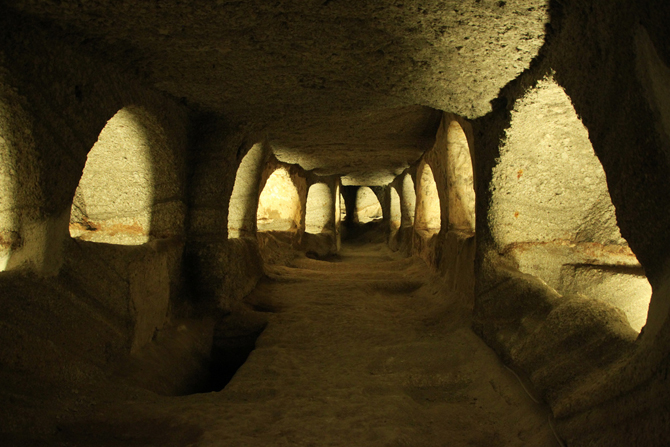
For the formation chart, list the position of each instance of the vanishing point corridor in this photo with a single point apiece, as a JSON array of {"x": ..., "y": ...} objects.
[{"x": 360, "y": 350}]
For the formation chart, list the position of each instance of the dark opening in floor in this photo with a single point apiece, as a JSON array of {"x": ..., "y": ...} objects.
[{"x": 234, "y": 339}]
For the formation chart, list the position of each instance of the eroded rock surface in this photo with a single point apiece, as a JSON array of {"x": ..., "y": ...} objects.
[{"x": 330, "y": 79}]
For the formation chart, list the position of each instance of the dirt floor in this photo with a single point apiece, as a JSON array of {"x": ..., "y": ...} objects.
[{"x": 360, "y": 350}]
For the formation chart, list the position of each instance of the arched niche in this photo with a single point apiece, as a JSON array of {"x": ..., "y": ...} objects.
[
  {"x": 408, "y": 201},
  {"x": 279, "y": 203},
  {"x": 428, "y": 213},
  {"x": 460, "y": 184},
  {"x": 244, "y": 199},
  {"x": 368, "y": 207},
  {"x": 127, "y": 189},
  {"x": 551, "y": 210},
  {"x": 319, "y": 213},
  {"x": 396, "y": 212}
]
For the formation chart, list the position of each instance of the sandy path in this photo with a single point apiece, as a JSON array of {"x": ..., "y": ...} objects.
[
  {"x": 366, "y": 352},
  {"x": 363, "y": 352}
]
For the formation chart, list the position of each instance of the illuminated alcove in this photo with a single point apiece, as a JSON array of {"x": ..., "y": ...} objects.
[
  {"x": 319, "y": 212},
  {"x": 116, "y": 200},
  {"x": 428, "y": 214},
  {"x": 244, "y": 198},
  {"x": 460, "y": 182},
  {"x": 408, "y": 201},
  {"x": 279, "y": 203},
  {"x": 551, "y": 211},
  {"x": 396, "y": 212},
  {"x": 368, "y": 207}
]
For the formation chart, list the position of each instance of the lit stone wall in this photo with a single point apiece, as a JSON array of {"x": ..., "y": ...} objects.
[
  {"x": 549, "y": 183},
  {"x": 319, "y": 215},
  {"x": 396, "y": 212},
  {"x": 244, "y": 198},
  {"x": 551, "y": 210},
  {"x": 279, "y": 207},
  {"x": 428, "y": 212},
  {"x": 90, "y": 304},
  {"x": 368, "y": 207},
  {"x": 113, "y": 202},
  {"x": 408, "y": 201},
  {"x": 19, "y": 191},
  {"x": 460, "y": 181}
]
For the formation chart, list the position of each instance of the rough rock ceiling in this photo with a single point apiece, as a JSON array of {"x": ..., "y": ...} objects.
[{"x": 318, "y": 73}]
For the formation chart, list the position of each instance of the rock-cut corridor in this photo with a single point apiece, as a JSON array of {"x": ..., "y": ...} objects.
[
  {"x": 335, "y": 223},
  {"x": 360, "y": 350}
]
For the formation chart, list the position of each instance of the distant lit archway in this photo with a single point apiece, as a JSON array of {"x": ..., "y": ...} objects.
[
  {"x": 396, "y": 212},
  {"x": 368, "y": 207},
  {"x": 408, "y": 201},
  {"x": 319, "y": 213},
  {"x": 428, "y": 214},
  {"x": 279, "y": 203}
]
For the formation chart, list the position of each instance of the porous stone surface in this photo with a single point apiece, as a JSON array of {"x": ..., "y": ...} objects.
[
  {"x": 548, "y": 183},
  {"x": 320, "y": 209},
  {"x": 312, "y": 70}
]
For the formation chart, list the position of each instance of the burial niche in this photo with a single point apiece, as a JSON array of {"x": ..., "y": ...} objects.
[
  {"x": 319, "y": 212},
  {"x": 368, "y": 208},
  {"x": 551, "y": 210},
  {"x": 127, "y": 189},
  {"x": 460, "y": 184},
  {"x": 279, "y": 203}
]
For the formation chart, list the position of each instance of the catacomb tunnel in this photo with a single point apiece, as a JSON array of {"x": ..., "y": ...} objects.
[{"x": 368, "y": 223}]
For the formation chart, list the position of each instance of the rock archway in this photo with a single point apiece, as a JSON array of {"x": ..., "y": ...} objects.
[
  {"x": 551, "y": 210},
  {"x": 279, "y": 207},
  {"x": 127, "y": 177}
]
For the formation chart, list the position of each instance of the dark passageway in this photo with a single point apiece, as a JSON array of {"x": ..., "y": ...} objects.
[{"x": 368, "y": 223}]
